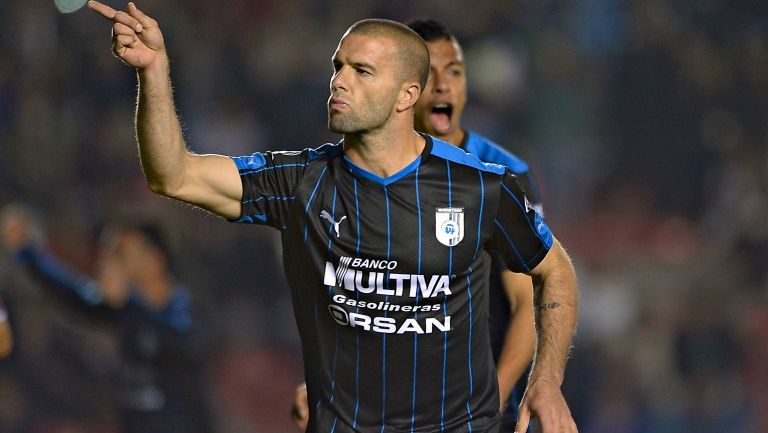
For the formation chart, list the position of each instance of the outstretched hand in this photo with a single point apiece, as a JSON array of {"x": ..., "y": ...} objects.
[{"x": 136, "y": 38}]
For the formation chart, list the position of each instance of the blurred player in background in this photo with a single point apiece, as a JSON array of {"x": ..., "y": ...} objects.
[
  {"x": 386, "y": 236},
  {"x": 438, "y": 113},
  {"x": 134, "y": 288}
]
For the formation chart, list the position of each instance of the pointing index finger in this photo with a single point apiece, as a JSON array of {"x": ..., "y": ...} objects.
[{"x": 102, "y": 9}]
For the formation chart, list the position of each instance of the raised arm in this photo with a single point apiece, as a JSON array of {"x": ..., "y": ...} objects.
[
  {"x": 17, "y": 236},
  {"x": 556, "y": 309},
  {"x": 209, "y": 181}
]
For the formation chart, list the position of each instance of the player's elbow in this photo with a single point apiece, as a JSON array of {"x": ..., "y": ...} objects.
[
  {"x": 160, "y": 188},
  {"x": 167, "y": 186},
  {"x": 166, "y": 177}
]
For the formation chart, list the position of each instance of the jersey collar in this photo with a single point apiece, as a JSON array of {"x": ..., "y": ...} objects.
[{"x": 405, "y": 171}]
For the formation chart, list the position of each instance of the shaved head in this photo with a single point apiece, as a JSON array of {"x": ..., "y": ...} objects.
[{"x": 412, "y": 56}]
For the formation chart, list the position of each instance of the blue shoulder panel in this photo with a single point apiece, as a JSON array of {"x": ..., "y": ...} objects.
[
  {"x": 489, "y": 151},
  {"x": 454, "y": 154},
  {"x": 258, "y": 159},
  {"x": 249, "y": 162}
]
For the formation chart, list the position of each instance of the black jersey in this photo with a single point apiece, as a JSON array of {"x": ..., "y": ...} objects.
[
  {"x": 389, "y": 281},
  {"x": 489, "y": 151},
  {"x": 499, "y": 308}
]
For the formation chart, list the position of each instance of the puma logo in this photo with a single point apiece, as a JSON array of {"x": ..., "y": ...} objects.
[{"x": 326, "y": 216}]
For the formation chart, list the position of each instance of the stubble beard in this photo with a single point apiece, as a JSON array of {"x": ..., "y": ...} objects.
[
  {"x": 370, "y": 118},
  {"x": 345, "y": 123}
]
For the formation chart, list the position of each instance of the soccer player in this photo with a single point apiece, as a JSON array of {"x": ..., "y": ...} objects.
[
  {"x": 134, "y": 289},
  {"x": 387, "y": 238},
  {"x": 438, "y": 113}
]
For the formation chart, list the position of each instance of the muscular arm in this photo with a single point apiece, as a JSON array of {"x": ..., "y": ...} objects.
[
  {"x": 209, "y": 181},
  {"x": 520, "y": 338},
  {"x": 556, "y": 308}
]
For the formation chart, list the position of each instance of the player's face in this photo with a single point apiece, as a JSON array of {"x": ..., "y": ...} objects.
[
  {"x": 139, "y": 258},
  {"x": 127, "y": 250},
  {"x": 439, "y": 109},
  {"x": 364, "y": 85}
]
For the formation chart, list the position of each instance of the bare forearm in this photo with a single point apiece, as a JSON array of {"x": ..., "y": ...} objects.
[
  {"x": 556, "y": 308},
  {"x": 209, "y": 181},
  {"x": 520, "y": 337},
  {"x": 161, "y": 144}
]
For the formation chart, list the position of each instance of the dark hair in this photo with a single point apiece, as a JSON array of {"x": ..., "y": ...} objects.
[
  {"x": 154, "y": 235},
  {"x": 431, "y": 30},
  {"x": 150, "y": 232},
  {"x": 413, "y": 53}
]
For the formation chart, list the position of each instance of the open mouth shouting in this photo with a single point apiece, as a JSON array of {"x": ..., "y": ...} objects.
[{"x": 440, "y": 117}]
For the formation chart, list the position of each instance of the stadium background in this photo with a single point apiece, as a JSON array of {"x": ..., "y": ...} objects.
[{"x": 646, "y": 123}]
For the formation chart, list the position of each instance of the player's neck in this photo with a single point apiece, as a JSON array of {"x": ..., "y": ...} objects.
[
  {"x": 384, "y": 153},
  {"x": 455, "y": 137}
]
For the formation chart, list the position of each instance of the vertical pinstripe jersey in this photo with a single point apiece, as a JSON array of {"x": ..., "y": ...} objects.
[
  {"x": 488, "y": 151},
  {"x": 389, "y": 281},
  {"x": 498, "y": 302}
]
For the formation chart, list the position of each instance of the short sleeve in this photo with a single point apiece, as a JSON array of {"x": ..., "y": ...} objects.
[
  {"x": 269, "y": 182},
  {"x": 528, "y": 184},
  {"x": 521, "y": 237}
]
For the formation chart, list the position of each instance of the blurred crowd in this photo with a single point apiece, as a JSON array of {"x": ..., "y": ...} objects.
[{"x": 645, "y": 122}]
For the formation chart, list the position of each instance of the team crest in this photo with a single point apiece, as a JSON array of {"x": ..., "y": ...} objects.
[{"x": 449, "y": 225}]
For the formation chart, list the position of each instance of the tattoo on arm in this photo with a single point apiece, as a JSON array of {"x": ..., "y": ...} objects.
[{"x": 548, "y": 306}]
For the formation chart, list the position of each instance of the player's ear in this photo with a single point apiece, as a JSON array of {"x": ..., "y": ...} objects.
[{"x": 409, "y": 94}]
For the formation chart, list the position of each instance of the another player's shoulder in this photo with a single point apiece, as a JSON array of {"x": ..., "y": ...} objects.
[
  {"x": 286, "y": 158},
  {"x": 447, "y": 151},
  {"x": 489, "y": 151}
]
